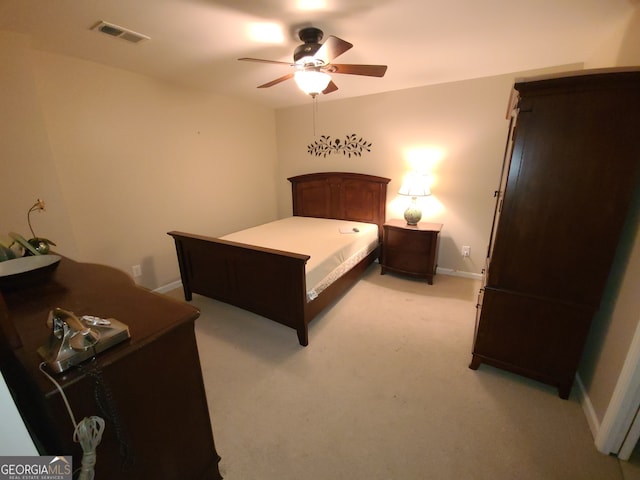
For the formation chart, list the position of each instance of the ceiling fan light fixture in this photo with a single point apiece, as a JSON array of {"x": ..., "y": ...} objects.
[
  {"x": 312, "y": 82},
  {"x": 313, "y": 63},
  {"x": 308, "y": 61}
]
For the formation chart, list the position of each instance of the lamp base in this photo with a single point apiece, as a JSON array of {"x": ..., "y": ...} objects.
[{"x": 413, "y": 214}]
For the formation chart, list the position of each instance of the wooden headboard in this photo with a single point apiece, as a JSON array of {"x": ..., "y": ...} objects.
[{"x": 340, "y": 195}]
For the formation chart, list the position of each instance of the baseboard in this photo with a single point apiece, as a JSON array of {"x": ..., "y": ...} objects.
[
  {"x": 168, "y": 287},
  {"x": 587, "y": 407},
  {"x": 458, "y": 273}
]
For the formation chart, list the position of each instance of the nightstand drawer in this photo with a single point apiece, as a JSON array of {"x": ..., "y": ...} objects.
[
  {"x": 408, "y": 263},
  {"x": 410, "y": 249},
  {"x": 411, "y": 242}
]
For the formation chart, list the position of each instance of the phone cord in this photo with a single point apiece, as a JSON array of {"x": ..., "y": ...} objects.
[
  {"x": 88, "y": 433},
  {"x": 104, "y": 399}
]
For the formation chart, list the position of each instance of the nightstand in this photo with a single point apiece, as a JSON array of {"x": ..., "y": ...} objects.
[{"x": 410, "y": 249}]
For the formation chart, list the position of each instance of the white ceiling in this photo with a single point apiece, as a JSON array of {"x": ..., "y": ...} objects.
[{"x": 197, "y": 42}]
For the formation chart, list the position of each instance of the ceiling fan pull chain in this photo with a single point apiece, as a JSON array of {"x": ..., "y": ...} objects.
[{"x": 315, "y": 111}]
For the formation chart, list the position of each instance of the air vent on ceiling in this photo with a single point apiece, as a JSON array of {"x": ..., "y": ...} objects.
[{"x": 119, "y": 32}]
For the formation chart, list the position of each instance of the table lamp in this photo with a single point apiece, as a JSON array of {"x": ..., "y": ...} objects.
[{"x": 414, "y": 185}]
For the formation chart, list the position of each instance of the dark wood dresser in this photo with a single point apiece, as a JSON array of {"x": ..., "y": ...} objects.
[
  {"x": 410, "y": 249},
  {"x": 149, "y": 389},
  {"x": 571, "y": 167}
]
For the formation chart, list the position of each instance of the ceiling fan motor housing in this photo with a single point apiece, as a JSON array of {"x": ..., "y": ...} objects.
[
  {"x": 313, "y": 62},
  {"x": 311, "y": 37}
]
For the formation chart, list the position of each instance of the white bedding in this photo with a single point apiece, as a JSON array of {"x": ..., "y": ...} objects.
[{"x": 333, "y": 245}]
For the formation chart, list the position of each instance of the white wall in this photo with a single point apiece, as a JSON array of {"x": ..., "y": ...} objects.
[
  {"x": 27, "y": 168},
  {"x": 465, "y": 122},
  {"x": 120, "y": 159}
]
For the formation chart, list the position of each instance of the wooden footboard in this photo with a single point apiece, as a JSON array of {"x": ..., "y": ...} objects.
[
  {"x": 272, "y": 283},
  {"x": 268, "y": 282}
]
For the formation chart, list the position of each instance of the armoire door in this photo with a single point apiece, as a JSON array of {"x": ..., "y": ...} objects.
[{"x": 574, "y": 165}]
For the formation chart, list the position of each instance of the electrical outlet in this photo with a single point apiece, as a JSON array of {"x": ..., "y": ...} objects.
[
  {"x": 137, "y": 270},
  {"x": 466, "y": 251}
]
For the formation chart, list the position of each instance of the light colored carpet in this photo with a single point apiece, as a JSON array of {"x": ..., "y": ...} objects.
[{"x": 383, "y": 391}]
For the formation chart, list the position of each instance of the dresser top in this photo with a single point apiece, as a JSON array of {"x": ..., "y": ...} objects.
[{"x": 87, "y": 289}]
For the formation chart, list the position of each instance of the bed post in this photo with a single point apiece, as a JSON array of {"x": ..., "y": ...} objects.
[
  {"x": 303, "y": 334},
  {"x": 182, "y": 264}
]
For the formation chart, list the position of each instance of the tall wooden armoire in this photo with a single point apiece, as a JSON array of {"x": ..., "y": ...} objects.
[{"x": 572, "y": 163}]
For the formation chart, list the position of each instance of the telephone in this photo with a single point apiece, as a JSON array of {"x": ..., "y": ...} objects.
[{"x": 74, "y": 340}]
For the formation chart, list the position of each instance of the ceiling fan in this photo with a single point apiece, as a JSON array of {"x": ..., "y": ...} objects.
[{"x": 312, "y": 62}]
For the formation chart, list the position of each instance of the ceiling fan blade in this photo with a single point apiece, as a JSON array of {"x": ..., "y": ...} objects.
[
  {"x": 247, "y": 59},
  {"x": 331, "y": 48},
  {"x": 276, "y": 81},
  {"x": 332, "y": 87},
  {"x": 367, "y": 70}
]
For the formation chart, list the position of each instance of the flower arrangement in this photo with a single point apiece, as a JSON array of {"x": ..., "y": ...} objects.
[
  {"x": 34, "y": 246},
  {"x": 42, "y": 245}
]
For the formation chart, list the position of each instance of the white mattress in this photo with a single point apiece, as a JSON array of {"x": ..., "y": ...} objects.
[{"x": 334, "y": 246}]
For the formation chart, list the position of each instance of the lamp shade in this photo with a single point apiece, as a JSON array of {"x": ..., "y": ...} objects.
[
  {"x": 415, "y": 185},
  {"x": 312, "y": 82}
]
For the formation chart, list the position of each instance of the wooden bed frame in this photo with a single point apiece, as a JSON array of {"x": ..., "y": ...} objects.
[{"x": 271, "y": 282}]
